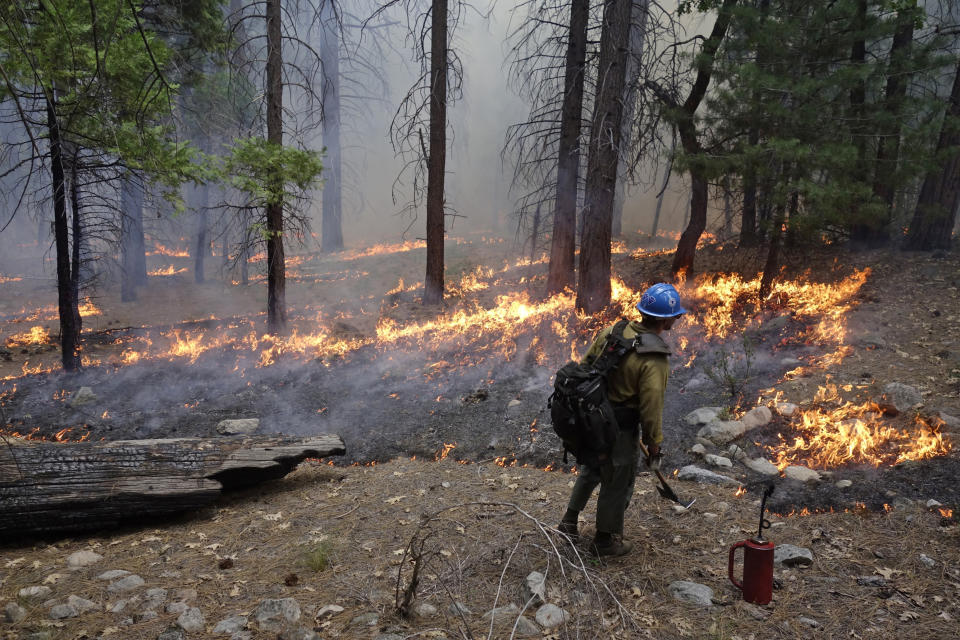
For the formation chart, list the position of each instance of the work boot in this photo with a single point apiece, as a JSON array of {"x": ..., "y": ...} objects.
[
  {"x": 610, "y": 544},
  {"x": 569, "y": 529}
]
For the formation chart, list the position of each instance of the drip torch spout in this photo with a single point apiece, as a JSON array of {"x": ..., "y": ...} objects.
[{"x": 764, "y": 523}]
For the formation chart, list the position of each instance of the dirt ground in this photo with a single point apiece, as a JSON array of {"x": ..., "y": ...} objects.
[{"x": 361, "y": 518}]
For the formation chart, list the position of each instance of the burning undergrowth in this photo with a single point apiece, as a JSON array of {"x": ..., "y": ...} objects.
[{"x": 394, "y": 378}]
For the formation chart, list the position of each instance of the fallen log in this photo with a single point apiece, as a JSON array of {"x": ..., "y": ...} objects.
[{"x": 48, "y": 487}]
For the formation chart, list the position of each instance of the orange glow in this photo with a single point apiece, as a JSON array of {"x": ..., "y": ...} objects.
[
  {"x": 739, "y": 492},
  {"x": 5, "y": 279},
  {"x": 166, "y": 271},
  {"x": 946, "y": 513},
  {"x": 159, "y": 249},
  {"x": 36, "y": 335},
  {"x": 445, "y": 451}
]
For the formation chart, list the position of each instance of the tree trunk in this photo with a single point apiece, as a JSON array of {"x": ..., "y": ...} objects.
[
  {"x": 564, "y": 240},
  {"x": 200, "y": 246},
  {"x": 133, "y": 259},
  {"x": 663, "y": 187},
  {"x": 331, "y": 226},
  {"x": 66, "y": 300},
  {"x": 860, "y": 231},
  {"x": 888, "y": 145},
  {"x": 593, "y": 286},
  {"x": 687, "y": 128},
  {"x": 436, "y": 163},
  {"x": 76, "y": 241},
  {"x": 748, "y": 216},
  {"x": 51, "y": 487},
  {"x": 936, "y": 212},
  {"x": 276, "y": 270},
  {"x": 638, "y": 27}
]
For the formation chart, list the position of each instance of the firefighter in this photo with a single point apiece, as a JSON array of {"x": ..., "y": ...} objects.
[{"x": 636, "y": 390}]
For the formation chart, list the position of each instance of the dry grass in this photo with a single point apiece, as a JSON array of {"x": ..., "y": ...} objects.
[{"x": 485, "y": 529}]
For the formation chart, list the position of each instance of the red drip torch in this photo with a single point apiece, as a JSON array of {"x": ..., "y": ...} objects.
[{"x": 757, "y": 585}]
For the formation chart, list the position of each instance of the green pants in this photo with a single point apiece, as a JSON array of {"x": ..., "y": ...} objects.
[{"x": 615, "y": 476}]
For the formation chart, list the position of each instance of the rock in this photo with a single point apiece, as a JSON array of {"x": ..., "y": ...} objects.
[
  {"x": 843, "y": 484},
  {"x": 871, "y": 581},
  {"x": 271, "y": 614},
  {"x": 692, "y": 472},
  {"x": 172, "y": 633},
  {"x": 527, "y": 627},
  {"x": 365, "y": 620},
  {"x": 785, "y": 409},
  {"x": 790, "y": 362},
  {"x": 735, "y": 452},
  {"x": 84, "y": 395},
  {"x": 300, "y": 633},
  {"x": 698, "y": 449},
  {"x": 506, "y": 614},
  {"x": 699, "y": 381},
  {"x": 755, "y": 612},
  {"x": 534, "y": 589},
  {"x": 154, "y": 598},
  {"x": 328, "y": 610},
  {"x": 113, "y": 574},
  {"x": 61, "y": 611},
  {"x": 185, "y": 595},
  {"x": 703, "y": 415},
  {"x": 192, "y": 620},
  {"x": 425, "y": 609},
  {"x": 34, "y": 594},
  {"x": 177, "y": 607},
  {"x": 761, "y": 466},
  {"x": 82, "y": 605},
  {"x": 717, "y": 461},
  {"x": 678, "y": 508},
  {"x": 14, "y": 613},
  {"x": 145, "y": 616},
  {"x": 721, "y": 432},
  {"x": 459, "y": 609},
  {"x": 244, "y": 426},
  {"x": 902, "y": 396},
  {"x": 792, "y": 556},
  {"x": 83, "y": 558},
  {"x": 230, "y": 625},
  {"x": 242, "y": 635},
  {"x": 900, "y": 503},
  {"x": 932, "y": 504},
  {"x": 803, "y": 474},
  {"x": 928, "y": 561},
  {"x": 950, "y": 423},
  {"x": 127, "y": 583},
  {"x": 514, "y": 407},
  {"x": 389, "y": 636},
  {"x": 699, "y": 594},
  {"x": 550, "y": 616},
  {"x": 810, "y": 622},
  {"x": 756, "y": 417}
]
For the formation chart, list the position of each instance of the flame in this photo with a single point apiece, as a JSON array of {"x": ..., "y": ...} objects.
[
  {"x": 739, "y": 492},
  {"x": 946, "y": 513},
  {"x": 445, "y": 451},
  {"x": 166, "y": 271},
  {"x": 5, "y": 279},
  {"x": 159, "y": 249},
  {"x": 36, "y": 335}
]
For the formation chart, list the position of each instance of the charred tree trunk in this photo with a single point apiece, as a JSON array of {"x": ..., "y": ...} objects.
[
  {"x": 76, "y": 244},
  {"x": 133, "y": 251},
  {"x": 534, "y": 234},
  {"x": 436, "y": 163},
  {"x": 888, "y": 146},
  {"x": 860, "y": 231},
  {"x": 50, "y": 487},
  {"x": 564, "y": 240},
  {"x": 200, "y": 246},
  {"x": 936, "y": 212},
  {"x": 593, "y": 286},
  {"x": 687, "y": 128},
  {"x": 276, "y": 270},
  {"x": 638, "y": 27},
  {"x": 331, "y": 226},
  {"x": 66, "y": 300}
]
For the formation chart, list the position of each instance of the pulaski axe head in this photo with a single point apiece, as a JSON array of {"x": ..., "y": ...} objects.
[{"x": 664, "y": 489}]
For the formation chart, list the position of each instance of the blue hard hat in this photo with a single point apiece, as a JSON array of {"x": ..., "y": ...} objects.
[{"x": 661, "y": 301}]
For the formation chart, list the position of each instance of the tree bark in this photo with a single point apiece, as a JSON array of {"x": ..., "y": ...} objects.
[
  {"x": 638, "y": 27},
  {"x": 76, "y": 248},
  {"x": 66, "y": 300},
  {"x": 663, "y": 188},
  {"x": 276, "y": 270},
  {"x": 200, "y": 246},
  {"x": 936, "y": 212},
  {"x": 331, "y": 226},
  {"x": 564, "y": 240},
  {"x": 593, "y": 287},
  {"x": 687, "y": 128},
  {"x": 859, "y": 231},
  {"x": 133, "y": 260},
  {"x": 48, "y": 487},
  {"x": 436, "y": 163}
]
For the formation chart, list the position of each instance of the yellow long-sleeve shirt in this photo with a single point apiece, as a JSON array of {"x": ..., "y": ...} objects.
[{"x": 641, "y": 379}]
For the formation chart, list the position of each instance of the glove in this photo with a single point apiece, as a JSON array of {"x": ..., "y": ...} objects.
[{"x": 654, "y": 461}]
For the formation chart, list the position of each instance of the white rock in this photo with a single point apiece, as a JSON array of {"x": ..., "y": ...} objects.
[
  {"x": 792, "y": 556},
  {"x": 699, "y": 381},
  {"x": 192, "y": 620},
  {"x": 717, "y": 461},
  {"x": 527, "y": 627},
  {"x": 722, "y": 431},
  {"x": 927, "y": 560},
  {"x": 534, "y": 589},
  {"x": 127, "y": 583},
  {"x": 843, "y": 484},
  {"x": 83, "y": 558},
  {"x": 271, "y": 614},
  {"x": 503, "y": 615},
  {"x": 550, "y": 616},
  {"x": 34, "y": 594},
  {"x": 177, "y": 607},
  {"x": 703, "y": 415},
  {"x": 761, "y": 466},
  {"x": 693, "y": 592},
  {"x": 810, "y": 622},
  {"x": 786, "y": 409},
  {"x": 735, "y": 452},
  {"x": 692, "y": 472},
  {"x": 82, "y": 605},
  {"x": 514, "y": 407},
  {"x": 902, "y": 396},
  {"x": 84, "y": 395},
  {"x": 679, "y": 508},
  {"x": 239, "y": 426},
  {"x": 61, "y": 611},
  {"x": 803, "y": 474},
  {"x": 459, "y": 609},
  {"x": 756, "y": 417},
  {"x": 698, "y": 449},
  {"x": 14, "y": 613},
  {"x": 931, "y": 504},
  {"x": 230, "y": 625},
  {"x": 113, "y": 574},
  {"x": 425, "y": 609},
  {"x": 328, "y": 610}
]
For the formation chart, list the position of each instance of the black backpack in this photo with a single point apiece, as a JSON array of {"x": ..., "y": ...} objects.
[{"x": 579, "y": 405}]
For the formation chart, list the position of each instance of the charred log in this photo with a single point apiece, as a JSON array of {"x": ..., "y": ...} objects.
[{"x": 51, "y": 488}]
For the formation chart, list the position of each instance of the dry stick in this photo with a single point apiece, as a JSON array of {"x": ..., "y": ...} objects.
[{"x": 500, "y": 587}]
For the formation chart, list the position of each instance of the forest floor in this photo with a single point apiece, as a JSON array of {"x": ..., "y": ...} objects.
[{"x": 338, "y": 534}]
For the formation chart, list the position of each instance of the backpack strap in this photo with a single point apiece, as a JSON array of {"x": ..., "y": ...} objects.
[{"x": 614, "y": 350}]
